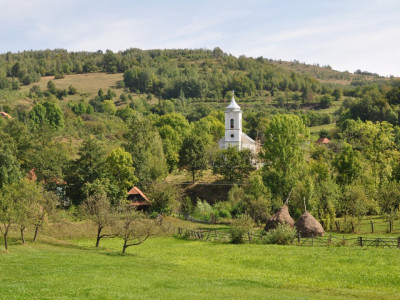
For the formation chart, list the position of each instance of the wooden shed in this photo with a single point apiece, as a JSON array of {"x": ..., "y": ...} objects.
[{"x": 136, "y": 198}]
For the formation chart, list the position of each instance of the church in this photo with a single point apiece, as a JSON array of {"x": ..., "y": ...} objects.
[{"x": 233, "y": 130}]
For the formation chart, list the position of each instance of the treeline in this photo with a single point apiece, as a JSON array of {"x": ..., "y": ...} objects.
[{"x": 203, "y": 74}]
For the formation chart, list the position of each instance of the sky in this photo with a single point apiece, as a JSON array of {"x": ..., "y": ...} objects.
[{"x": 347, "y": 35}]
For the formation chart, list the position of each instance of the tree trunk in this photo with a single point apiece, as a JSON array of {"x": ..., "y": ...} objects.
[
  {"x": 193, "y": 174},
  {"x": 124, "y": 248},
  {"x": 5, "y": 241},
  {"x": 22, "y": 234},
  {"x": 36, "y": 232},
  {"x": 99, "y": 228}
]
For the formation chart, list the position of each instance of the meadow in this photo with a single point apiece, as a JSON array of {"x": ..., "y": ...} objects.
[{"x": 65, "y": 264}]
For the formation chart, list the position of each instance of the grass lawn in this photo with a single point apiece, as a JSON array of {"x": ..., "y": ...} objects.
[{"x": 170, "y": 268}]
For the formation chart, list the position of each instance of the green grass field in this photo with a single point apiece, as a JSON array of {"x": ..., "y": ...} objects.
[{"x": 171, "y": 268}]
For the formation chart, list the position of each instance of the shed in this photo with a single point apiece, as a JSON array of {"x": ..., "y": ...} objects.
[
  {"x": 323, "y": 141},
  {"x": 138, "y": 199}
]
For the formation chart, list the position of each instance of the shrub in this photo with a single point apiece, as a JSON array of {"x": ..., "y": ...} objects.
[
  {"x": 240, "y": 227},
  {"x": 283, "y": 234},
  {"x": 203, "y": 211}
]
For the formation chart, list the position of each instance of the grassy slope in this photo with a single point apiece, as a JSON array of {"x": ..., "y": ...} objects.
[{"x": 172, "y": 268}]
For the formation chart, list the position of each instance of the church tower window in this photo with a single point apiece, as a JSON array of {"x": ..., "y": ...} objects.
[{"x": 232, "y": 123}]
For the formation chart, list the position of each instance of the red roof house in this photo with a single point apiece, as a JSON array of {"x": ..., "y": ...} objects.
[
  {"x": 5, "y": 115},
  {"x": 137, "y": 198},
  {"x": 323, "y": 141}
]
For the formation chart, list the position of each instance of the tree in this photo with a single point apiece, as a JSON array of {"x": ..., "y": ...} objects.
[
  {"x": 87, "y": 168},
  {"x": 325, "y": 101},
  {"x": 119, "y": 171},
  {"x": 46, "y": 113},
  {"x": 109, "y": 107},
  {"x": 232, "y": 163},
  {"x": 337, "y": 94},
  {"x": 257, "y": 199},
  {"x": 98, "y": 208},
  {"x": 192, "y": 155},
  {"x": 164, "y": 197},
  {"x": 145, "y": 146},
  {"x": 347, "y": 164},
  {"x": 134, "y": 228},
  {"x": 9, "y": 167},
  {"x": 42, "y": 207},
  {"x": 8, "y": 209},
  {"x": 284, "y": 153}
]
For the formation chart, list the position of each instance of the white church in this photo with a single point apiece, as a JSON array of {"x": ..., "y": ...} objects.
[{"x": 233, "y": 130}]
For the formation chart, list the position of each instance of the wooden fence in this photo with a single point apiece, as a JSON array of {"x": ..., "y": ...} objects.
[{"x": 257, "y": 236}]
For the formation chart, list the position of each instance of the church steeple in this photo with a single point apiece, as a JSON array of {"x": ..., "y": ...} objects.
[
  {"x": 233, "y": 105},
  {"x": 233, "y": 124}
]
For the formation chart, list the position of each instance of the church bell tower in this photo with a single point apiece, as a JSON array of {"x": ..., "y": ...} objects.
[{"x": 233, "y": 124}]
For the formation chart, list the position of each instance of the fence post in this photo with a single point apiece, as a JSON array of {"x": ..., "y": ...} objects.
[
  {"x": 352, "y": 226},
  {"x": 330, "y": 239},
  {"x": 312, "y": 239},
  {"x": 361, "y": 241},
  {"x": 372, "y": 226},
  {"x": 298, "y": 238},
  {"x": 398, "y": 242}
]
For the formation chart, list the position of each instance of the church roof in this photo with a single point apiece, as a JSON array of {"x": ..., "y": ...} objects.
[{"x": 233, "y": 105}]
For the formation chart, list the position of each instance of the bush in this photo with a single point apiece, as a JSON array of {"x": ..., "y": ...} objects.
[
  {"x": 240, "y": 227},
  {"x": 203, "y": 211},
  {"x": 283, "y": 234}
]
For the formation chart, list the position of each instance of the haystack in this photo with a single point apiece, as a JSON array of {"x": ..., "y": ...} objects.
[
  {"x": 308, "y": 226},
  {"x": 282, "y": 216}
]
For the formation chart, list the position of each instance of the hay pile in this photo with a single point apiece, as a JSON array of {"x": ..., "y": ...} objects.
[
  {"x": 308, "y": 226},
  {"x": 282, "y": 216}
]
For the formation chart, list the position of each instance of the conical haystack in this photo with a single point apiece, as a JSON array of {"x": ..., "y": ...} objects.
[
  {"x": 308, "y": 226},
  {"x": 282, "y": 216}
]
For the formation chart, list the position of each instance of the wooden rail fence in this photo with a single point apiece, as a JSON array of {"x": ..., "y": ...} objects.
[{"x": 254, "y": 236}]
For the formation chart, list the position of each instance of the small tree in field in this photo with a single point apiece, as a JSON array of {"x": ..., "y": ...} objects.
[
  {"x": 98, "y": 208},
  {"x": 7, "y": 210},
  {"x": 41, "y": 208},
  {"x": 134, "y": 228}
]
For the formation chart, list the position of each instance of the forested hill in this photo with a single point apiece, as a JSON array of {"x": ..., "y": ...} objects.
[{"x": 168, "y": 74}]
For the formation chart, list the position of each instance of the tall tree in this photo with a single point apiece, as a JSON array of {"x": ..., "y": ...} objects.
[
  {"x": 86, "y": 169},
  {"x": 232, "y": 163},
  {"x": 193, "y": 155},
  {"x": 145, "y": 146},
  {"x": 284, "y": 153},
  {"x": 120, "y": 173}
]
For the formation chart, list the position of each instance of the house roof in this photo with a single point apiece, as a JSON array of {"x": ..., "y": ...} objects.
[
  {"x": 323, "y": 141},
  {"x": 5, "y": 115},
  {"x": 136, "y": 191}
]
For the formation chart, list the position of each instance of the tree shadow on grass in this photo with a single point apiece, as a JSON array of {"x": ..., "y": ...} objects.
[{"x": 97, "y": 250}]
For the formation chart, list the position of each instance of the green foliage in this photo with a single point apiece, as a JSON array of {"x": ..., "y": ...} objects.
[
  {"x": 203, "y": 211},
  {"x": 46, "y": 114},
  {"x": 109, "y": 107},
  {"x": 164, "y": 197},
  {"x": 85, "y": 169},
  {"x": 284, "y": 152},
  {"x": 283, "y": 234},
  {"x": 119, "y": 171},
  {"x": 192, "y": 155},
  {"x": 239, "y": 227},
  {"x": 232, "y": 163},
  {"x": 9, "y": 167},
  {"x": 325, "y": 101},
  {"x": 143, "y": 142}
]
